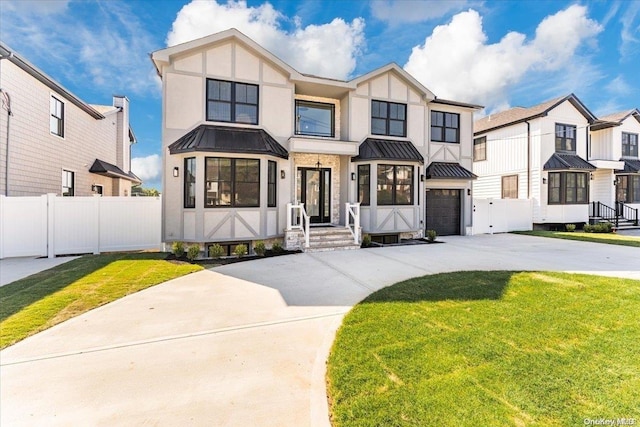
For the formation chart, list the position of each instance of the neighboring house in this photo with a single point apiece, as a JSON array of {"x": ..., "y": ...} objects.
[
  {"x": 247, "y": 139},
  {"x": 53, "y": 142},
  {"x": 559, "y": 155}
]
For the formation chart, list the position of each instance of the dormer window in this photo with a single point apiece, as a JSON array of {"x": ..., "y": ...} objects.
[
  {"x": 315, "y": 118},
  {"x": 232, "y": 102},
  {"x": 629, "y": 144},
  {"x": 565, "y": 138}
]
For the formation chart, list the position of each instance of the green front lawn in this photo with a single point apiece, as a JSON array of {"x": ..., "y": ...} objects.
[
  {"x": 489, "y": 349},
  {"x": 38, "y": 302},
  {"x": 609, "y": 238}
]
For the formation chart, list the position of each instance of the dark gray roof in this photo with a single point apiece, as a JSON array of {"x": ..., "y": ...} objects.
[
  {"x": 441, "y": 170},
  {"x": 384, "y": 149},
  {"x": 226, "y": 139},
  {"x": 101, "y": 167},
  {"x": 567, "y": 161},
  {"x": 630, "y": 166}
]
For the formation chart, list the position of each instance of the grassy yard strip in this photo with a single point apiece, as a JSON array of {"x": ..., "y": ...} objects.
[
  {"x": 608, "y": 238},
  {"x": 489, "y": 348},
  {"x": 42, "y": 300}
]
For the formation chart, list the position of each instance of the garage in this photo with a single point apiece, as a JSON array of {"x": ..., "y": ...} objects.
[{"x": 443, "y": 211}]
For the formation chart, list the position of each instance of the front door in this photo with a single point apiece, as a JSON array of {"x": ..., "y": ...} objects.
[{"x": 314, "y": 190}]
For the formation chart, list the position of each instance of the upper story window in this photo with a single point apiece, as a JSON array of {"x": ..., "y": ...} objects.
[
  {"x": 388, "y": 118},
  {"x": 480, "y": 149},
  {"x": 445, "y": 127},
  {"x": 56, "y": 118},
  {"x": 315, "y": 118},
  {"x": 565, "y": 137},
  {"x": 395, "y": 185},
  {"x": 629, "y": 144},
  {"x": 232, "y": 102},
  {"x": 190, "y": 182},
  {"x": 68, "y": 183},
  {"x": 232, "y": 182}
]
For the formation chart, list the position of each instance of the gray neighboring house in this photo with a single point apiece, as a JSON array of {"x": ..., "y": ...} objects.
[{"x": 53, "y": 142}]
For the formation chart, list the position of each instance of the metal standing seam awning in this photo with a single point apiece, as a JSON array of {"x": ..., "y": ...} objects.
[
  {"x": 630, "y": 167},
  {"x": 560, "y": 162},
  {"x": 383, "y": 149},
  {"x": 446, "y": 170},
  {"x": 100, "y": 167},
  {"x": 227, "y": 139}
]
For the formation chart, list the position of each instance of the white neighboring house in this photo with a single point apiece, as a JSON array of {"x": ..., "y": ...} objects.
[
  {"x": 53, "y": 142},
  {"x": 248, "y": 142}
]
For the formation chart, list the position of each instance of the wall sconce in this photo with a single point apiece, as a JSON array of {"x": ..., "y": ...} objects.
[
  {"x": 468, "y": 191},
  {"x": 616, "y": 181},
  {"x": 282, "y": 174},
  {"x": 591, "y": 176},
  {"x": 176, "y": 172},
  {"x": 353, "y": 176},
  {"x": 422, "y": 177},
  {"x": 544, "y": 180}
]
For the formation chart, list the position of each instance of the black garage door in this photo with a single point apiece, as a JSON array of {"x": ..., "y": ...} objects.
[{"x": 443, "y": 211}]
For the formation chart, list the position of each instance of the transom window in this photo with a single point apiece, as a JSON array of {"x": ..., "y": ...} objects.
[
  {"x": 68, "y": 183},
  {"x": 565, "y": 137},
  {"x": 364, "y": 185},
  {"x": 232, "y": 182},
  {"x": 232, "y": 102},
  {"x": 190, "y": 182},
  {"x": 388, "y": 118},
  {"x": 56, "y": 119},
  {"x": 510, "y": 187},
  {"x": 480, "y": 149},
  {"x": 568, "y": 188},
  {"x": 629, "y": 144},
  {"x": 445, "y": 127},
  {"x": 395, "y": 185},
  {"x": 315, "y": 118},
  {"x": 628, "y": 188}
]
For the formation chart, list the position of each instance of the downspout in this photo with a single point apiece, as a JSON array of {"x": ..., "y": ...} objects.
[
  {"x": 6, "y": 104},
  {"x": 528, "y": 160}
]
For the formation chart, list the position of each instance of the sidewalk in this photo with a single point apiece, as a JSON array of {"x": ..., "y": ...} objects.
[{"x": 12, "y": 269}]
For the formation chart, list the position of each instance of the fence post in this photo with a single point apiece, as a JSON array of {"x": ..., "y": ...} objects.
[
  {"x": 2, "y": 217},
  {"x": 51, "y": 200}
]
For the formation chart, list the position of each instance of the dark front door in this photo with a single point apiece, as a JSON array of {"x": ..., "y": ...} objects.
[
  {"x": 443, "y": 211},
  {"x": 314, "y": 190}
]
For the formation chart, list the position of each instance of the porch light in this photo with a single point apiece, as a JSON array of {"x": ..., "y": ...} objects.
[
  {"x": 468, "y": 191},
  {"x": 176, "y": 172},
  {"x": 282, "y": 174},
  {"x": 422, "y": 177},
  {"x": 544, "y": 180},
  {"x": 591, "y": 176},
  {"x": 353, "y": 176},
  {"x": 615, "y": 181}
]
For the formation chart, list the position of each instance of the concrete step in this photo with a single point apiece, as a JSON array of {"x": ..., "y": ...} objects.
[
  {"x": 331, "y": 246},
  {"x": 330, "y": 239}
]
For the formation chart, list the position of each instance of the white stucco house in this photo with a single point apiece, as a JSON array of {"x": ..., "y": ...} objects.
[
  {"x": 253, "y": 148},
  {"x": 558, "y": 155},
  {"x": 53, "y": 142}
]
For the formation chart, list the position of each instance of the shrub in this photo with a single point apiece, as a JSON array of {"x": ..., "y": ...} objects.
[
  {"x": 193, "y": 252},
  {"x": 240, "y": 250},
  {"x": 259, "y": 248},
  {"x": 431, "y": 235},
  {"x": 366, "y": 241},
  {"x": 603, "y": 227},
  {"x": 571, "y": 227},
  {"x": 588, "y": 228},
  {"x": 276, "y": 248},
  {"x": 216, "y": 251},
  {"x": 178, "y": 249}
]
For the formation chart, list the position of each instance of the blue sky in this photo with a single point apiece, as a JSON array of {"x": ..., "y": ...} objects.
[{"x": 498, "y": 54}]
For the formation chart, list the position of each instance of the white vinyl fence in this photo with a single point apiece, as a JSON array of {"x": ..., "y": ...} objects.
[
  {"x": 49, "y": 225},
  {"x": 502, "y": 215}
]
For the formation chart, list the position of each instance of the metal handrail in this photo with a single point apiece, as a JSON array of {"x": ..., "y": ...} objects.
[
  {"x": 353, "y": 211},
  {"x": 627, "y": 212},
  {"x": 299, "y": 221},
  {"x": 598, "y": 209}
]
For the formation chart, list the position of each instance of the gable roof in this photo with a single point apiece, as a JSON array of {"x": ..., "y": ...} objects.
[
  {"x": 615, "y": 119},
  {"x": 393, "y": 67},
  {"x": 384, "y": 149},
  {"x": 520, "y": 114}
]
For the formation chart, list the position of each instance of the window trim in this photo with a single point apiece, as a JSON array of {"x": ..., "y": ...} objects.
[
  {"x": 367, "y": 185},
  {"x": 320, "y": 105},
  {"x": 629, "y": 146},
  {"x": 73, "y": 183},
  {"x": 502, "y": 188},
  {"x": 563, "y": 143},
  {"x": 232, "y": 185},
  {"x": 388, "y": 120},
  {"x": 232, "y": 102},
  {"x": 480, "y": 142},
  {"x": 444, "y": 127},
  {"x": 631, "y": 188},
  {"x": 394, "y": 185},
  {"x": 563, "y": 188},
  {"x": 59, "y": 120},
  {"x": 272, "y": 185},
  {"x": 187, "y": 182}
]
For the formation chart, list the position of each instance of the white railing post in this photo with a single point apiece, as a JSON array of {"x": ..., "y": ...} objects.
[
  {"x": 289, "y": 216},
  {"x": 353, "y": 210},
  {"x": 51, "y": 244},
  {"x": 356, "y": 225}
]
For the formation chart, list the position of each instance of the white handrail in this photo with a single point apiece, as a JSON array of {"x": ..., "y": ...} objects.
[
  {"x": 352, "y": 210},
  {"x": 302, "y": 225}
]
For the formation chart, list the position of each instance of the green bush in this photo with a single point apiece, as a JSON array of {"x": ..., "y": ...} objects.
[
  {"x": 216, "y": 251},
  {"x": 240, "y": 250},
  {"x": 366, "y": 241},
  {"x": 603, "y": 227},
  {"x": 193, "y": 252},
  {"x": 570, "y": 227},
  {"x": 588, "y": 228},
  {"x": 276, "y": 248},
  {"x": 431, "y": 235},
  {"x": 178, "y": 249},
  {"x": 259, "y": 248}
]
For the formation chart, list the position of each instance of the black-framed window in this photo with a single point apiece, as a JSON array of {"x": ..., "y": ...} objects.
[
  {"x": 315, "y": 118},
  {"x": 190, "y": 182},
  {"x": 232, "y": 182},
  {"x": 68, "y": 183},
  {"x": 232, "y": 102},
  {"x": 445, "y": 127},
  {"x": 395, "y": 185},
  {"x": 56, "y": 119},
  {"x": 480, "y": 148},
  {"x": 364, "y": 185},
  {"x": 272, "y": 183},
  {"x": 628, "y": 188},
  {"x": 565, "y": 137},
  {"x": 388, "y": 118},
  {"x": 510, "y": 187},
  {"x": 629, "y": 144},
  {"x": 568, "y": 188}
]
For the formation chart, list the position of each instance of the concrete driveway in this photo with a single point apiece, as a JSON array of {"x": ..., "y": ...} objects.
[{"x": 244, "y": 344}]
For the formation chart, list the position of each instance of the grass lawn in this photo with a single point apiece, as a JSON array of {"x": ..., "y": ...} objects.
[
  {"x": 489, "y": 349},
  {"x": 42, "y": 300},
  {"x": 609, "y": 238}
]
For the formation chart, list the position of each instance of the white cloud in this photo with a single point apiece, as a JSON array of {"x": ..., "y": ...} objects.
[
  {"x": 619, "y": 86},
  {"x": 399, "y": 11},
  {"x": 148, "y": 169},
  {"x": 304, "y": 48},
  {"x": 456, "y": 61},
  {"x": 36, "y": 7},
  {"x": 630, "y": 34}
]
